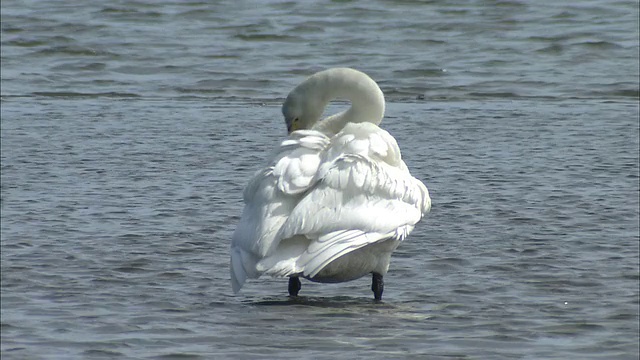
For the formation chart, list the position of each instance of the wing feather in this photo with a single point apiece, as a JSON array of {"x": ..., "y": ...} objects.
[
  {"x": 364, "y": 194},
  {"x": 333, "y": 245},
  {"x": 270, "y": 197},
  {"x": 322, "y": 198}
]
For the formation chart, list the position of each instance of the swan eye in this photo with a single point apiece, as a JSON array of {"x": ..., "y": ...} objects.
[{"x": 295, "y": 125}]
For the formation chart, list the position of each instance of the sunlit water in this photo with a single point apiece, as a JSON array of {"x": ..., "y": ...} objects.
[{"x": 130, "y": 129}]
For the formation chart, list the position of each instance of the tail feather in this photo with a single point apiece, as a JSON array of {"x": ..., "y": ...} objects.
[{"x": 238, "y": 274}]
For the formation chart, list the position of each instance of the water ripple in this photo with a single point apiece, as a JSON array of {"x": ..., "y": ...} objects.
[{"x": 130, "y": 129}]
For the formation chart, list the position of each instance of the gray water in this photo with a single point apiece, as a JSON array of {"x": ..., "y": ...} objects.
[{"x": 129, "y": 129}]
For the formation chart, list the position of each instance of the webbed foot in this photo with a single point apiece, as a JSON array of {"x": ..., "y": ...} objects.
[
  {"x": 294, "y": 285},
  {"x": 377, "y": 285}
]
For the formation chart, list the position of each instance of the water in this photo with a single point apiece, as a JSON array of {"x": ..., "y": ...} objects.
[{"x": 130, "y": 128}]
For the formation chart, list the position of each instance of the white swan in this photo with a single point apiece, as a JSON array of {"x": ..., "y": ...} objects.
[{"x": 336, "y": 199}]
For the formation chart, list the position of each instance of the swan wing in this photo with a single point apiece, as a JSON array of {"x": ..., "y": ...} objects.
[
  {"x": 298, "y": 159},
  {"x": 363, "y": 194},
  {"x": 270, "y": 197}
]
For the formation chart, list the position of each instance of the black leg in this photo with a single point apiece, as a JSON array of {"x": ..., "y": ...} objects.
[
  {"x": 294, "y": 285},
  {"x": 377, "y": 285}
]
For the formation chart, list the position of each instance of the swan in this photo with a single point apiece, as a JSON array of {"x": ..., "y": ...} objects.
[{"x": 336, "y": 198}]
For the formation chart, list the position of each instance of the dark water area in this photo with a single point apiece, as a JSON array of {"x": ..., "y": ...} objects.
[{"x": 130, "y": 128}]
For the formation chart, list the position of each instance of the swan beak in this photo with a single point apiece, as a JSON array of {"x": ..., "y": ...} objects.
[{"x": 293, "y": 127}]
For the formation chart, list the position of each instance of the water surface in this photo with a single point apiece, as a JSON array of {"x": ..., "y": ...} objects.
[{"x": 129, "y": 130}]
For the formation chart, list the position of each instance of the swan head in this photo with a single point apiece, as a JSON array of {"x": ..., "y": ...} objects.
[{"x": 301, "y": 110}]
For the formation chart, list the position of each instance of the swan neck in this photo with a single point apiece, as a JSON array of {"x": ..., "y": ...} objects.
[{"x": 367, "y": 100}]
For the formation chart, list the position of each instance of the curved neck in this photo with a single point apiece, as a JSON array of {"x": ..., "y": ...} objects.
[{"x": 367, "y": 100}]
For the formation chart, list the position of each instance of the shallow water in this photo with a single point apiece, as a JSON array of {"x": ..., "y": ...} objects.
[{"x": 129, "y": 130}]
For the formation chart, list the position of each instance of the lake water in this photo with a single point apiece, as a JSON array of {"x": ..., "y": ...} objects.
[{"x": 129, "y": 129}]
